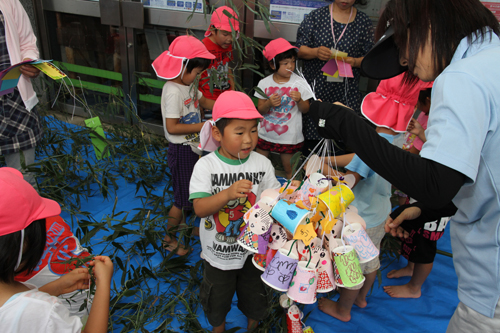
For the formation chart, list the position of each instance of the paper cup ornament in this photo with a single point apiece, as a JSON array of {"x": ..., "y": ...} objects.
[
  {"x": 289, "y": 215},
  {"x": 253, "y": 242},
  {"x": 352, "y": 209},
  {"x": 354, "y": 217},
  {"x": 304, "y": 283},
  {"x": 332, "y": 199},
  {"x": 348, "y": 267},
  {"x": 337, "y": 229},
  {"x": 288, "y": 192},
  {"x": 270, "y": 193},
  {"x": 259, "y": 261},
  {"x": 312, "y": 186},
  {"x": 285, "y": 301},
  {"x": 357, "y": 237},
  {"x": 257, "y": 218},
  {"x": 278, "y": 237},
  {"x": 280, "y": 269},
  {"x": 314, "y": 165},
  {"x": 326, "y": 279}
]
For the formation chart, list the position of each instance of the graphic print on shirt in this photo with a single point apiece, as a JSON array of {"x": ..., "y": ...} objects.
[
  {"x": 61, "y": 246},
  {"x": 275, "y": 119},
  {"x": 191, "y": 118},
  {"x": 222, "y": 76}
]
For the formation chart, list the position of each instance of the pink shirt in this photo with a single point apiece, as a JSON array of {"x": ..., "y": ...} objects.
[
  {"x": 21, "y": 43},
  {"x": 422, "y": 119}
]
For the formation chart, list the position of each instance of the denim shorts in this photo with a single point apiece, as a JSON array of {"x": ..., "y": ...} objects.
[{"x": 218, "y": 288}]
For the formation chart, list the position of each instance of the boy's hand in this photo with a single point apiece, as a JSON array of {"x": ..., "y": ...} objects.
[
  {"x": 323, "y": 53},
  {"x": 275, "y": 100},
  {"x": 296, "y": 96},
  {"x": 239, "y": 189},
  {"x": 74, "y": 280},
  {"x": 103, "y": 270}
]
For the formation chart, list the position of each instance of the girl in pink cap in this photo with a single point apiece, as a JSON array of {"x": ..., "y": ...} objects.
[
  {"x": 286, "y": 99},
  {"x": 219, "y": 41},
  {"x": 23, "y": 307},
  {"x": 186, "y": 58}
]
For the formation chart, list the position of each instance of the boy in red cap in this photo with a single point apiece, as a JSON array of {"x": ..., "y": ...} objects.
[
  {"x": 186, "y": 58},
  {"x": 286, "y": 98},
  {"x": 219, "y": 41},
  {"x": 224, "y": 185}
]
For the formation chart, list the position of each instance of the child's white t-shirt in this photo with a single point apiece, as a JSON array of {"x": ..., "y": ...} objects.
[
  {"x": 282, "y": 124},
  {"x": 36, "y": 311},
  {"x": 219, "y": 232},
  {"x": 177, "y": 101}
]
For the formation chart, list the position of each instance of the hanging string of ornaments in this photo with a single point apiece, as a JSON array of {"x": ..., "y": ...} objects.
[{"x": 308, "y": 239}]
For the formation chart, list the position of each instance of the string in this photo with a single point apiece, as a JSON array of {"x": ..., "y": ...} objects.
[{"x": 335, "y": 42}]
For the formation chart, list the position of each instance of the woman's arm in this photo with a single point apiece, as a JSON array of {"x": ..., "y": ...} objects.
[
  {"x": 322, "y": 53},
  {"x": 431, "y": 183}
]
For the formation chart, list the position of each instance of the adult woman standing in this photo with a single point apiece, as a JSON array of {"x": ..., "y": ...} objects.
[
  {"x": 342, "y": 27},
  {"x": 460, "y": 160}
]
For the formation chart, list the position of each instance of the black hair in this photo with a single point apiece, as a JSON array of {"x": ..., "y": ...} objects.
[
  {"x": 195, "y": 63},
  {"x": 413, "y": 20},
  {"x": 222, "y": 123},
  {"x": 423, "y": 95},
  {"x": 35, "y": 236},
  {"x": 288, "y": 54}
]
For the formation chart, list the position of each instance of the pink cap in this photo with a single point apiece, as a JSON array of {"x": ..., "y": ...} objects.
[
  {"x": 169, "y": 64},
  {"x": 275, "y": 47},
  {"x": 230, "y": 104},
  {"x": 20, "y": 204},
  {"x": 393, "y": 104},
  {"x": 220, "y": 20}
]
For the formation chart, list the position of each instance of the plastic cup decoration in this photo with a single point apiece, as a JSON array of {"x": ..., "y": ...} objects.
[
  {"x": 279, "y": 271},
  {"x": 304, "y": 284},
  {"x": 315, "y": 184},
  {"x": 326, "y": 279},
  {"x": 357, "y": 237},
  {"x": 253, "y": 242},
  {"x": 289, "y": 215},
  {"x": 337, "y": 198},
  {"x": 347, "y": 263}
]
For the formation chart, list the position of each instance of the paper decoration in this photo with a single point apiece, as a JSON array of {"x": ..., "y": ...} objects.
[
  {"x": 97, "y": 140},
  {"x": 305, "y": 233},
  {"x": 280, "y": 269},
  {"x": 278, "y": 237},
  {"x": 327, "y": 224},
  {"x": 338, "y": 55},
  {"x": 357, "y": 237},
  {"x": 258, "y": 218},
  {"x": 333, "y": 199},
  {"x": 348, "y": 266},
  {"x": 330, "y": 67},
  {"x": 303, "y": 286},
  {"x": 289, "y": 215},
  {"x": 49, "y": 69},
  {"x": 345, "y": 69}
]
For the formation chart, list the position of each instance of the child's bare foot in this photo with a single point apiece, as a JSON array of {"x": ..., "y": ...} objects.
[
  {"x": 397, "y": 273},
  {"x": 172, "y": 245},
  {"x": 361, "y": 302},
  {"x": 331, "y": 308},
  {"x": 404, "y": 291}
]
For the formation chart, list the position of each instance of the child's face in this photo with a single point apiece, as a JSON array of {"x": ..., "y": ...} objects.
[
  {"x": 239, "y": 138},
  {"x": 286, "y": 67},
  {"x": 223, "y": 38},
  {"x": 188, "y": 78}
]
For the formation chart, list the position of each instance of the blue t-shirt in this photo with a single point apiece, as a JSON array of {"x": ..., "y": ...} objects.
[
  {"x": 463, "y": 133},
  {"x": 373, "y": 193}
]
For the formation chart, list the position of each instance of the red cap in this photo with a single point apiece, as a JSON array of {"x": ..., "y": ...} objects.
[
  {"x": 230, "y": 104},
  {"x": 393, "y": 104},
  {"x": 20, "y": 204},
  {"x": 220, "y": 20},
  {"x": 169, "y": 64},
  {"x": 275, "y": 47}
]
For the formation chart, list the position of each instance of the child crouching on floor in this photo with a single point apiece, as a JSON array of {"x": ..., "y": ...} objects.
[
  {"x": 224, "y": 185},
  {"x": 186, "y": 58}
]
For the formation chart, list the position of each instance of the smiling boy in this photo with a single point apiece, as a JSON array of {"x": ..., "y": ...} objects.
[{"x": 224, "y": 185}]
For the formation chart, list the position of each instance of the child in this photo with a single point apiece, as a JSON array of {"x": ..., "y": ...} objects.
[
  {"x": 419, "y": 232},
  {"x": 24, "y": 308},
  {"x": 417, "y": 127},
  {"x": 186, "y": 58},
  {"x": 281, "y": 129},
  {"x": 219, "y": 41},
  {"x": 224, "y": 185}
]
